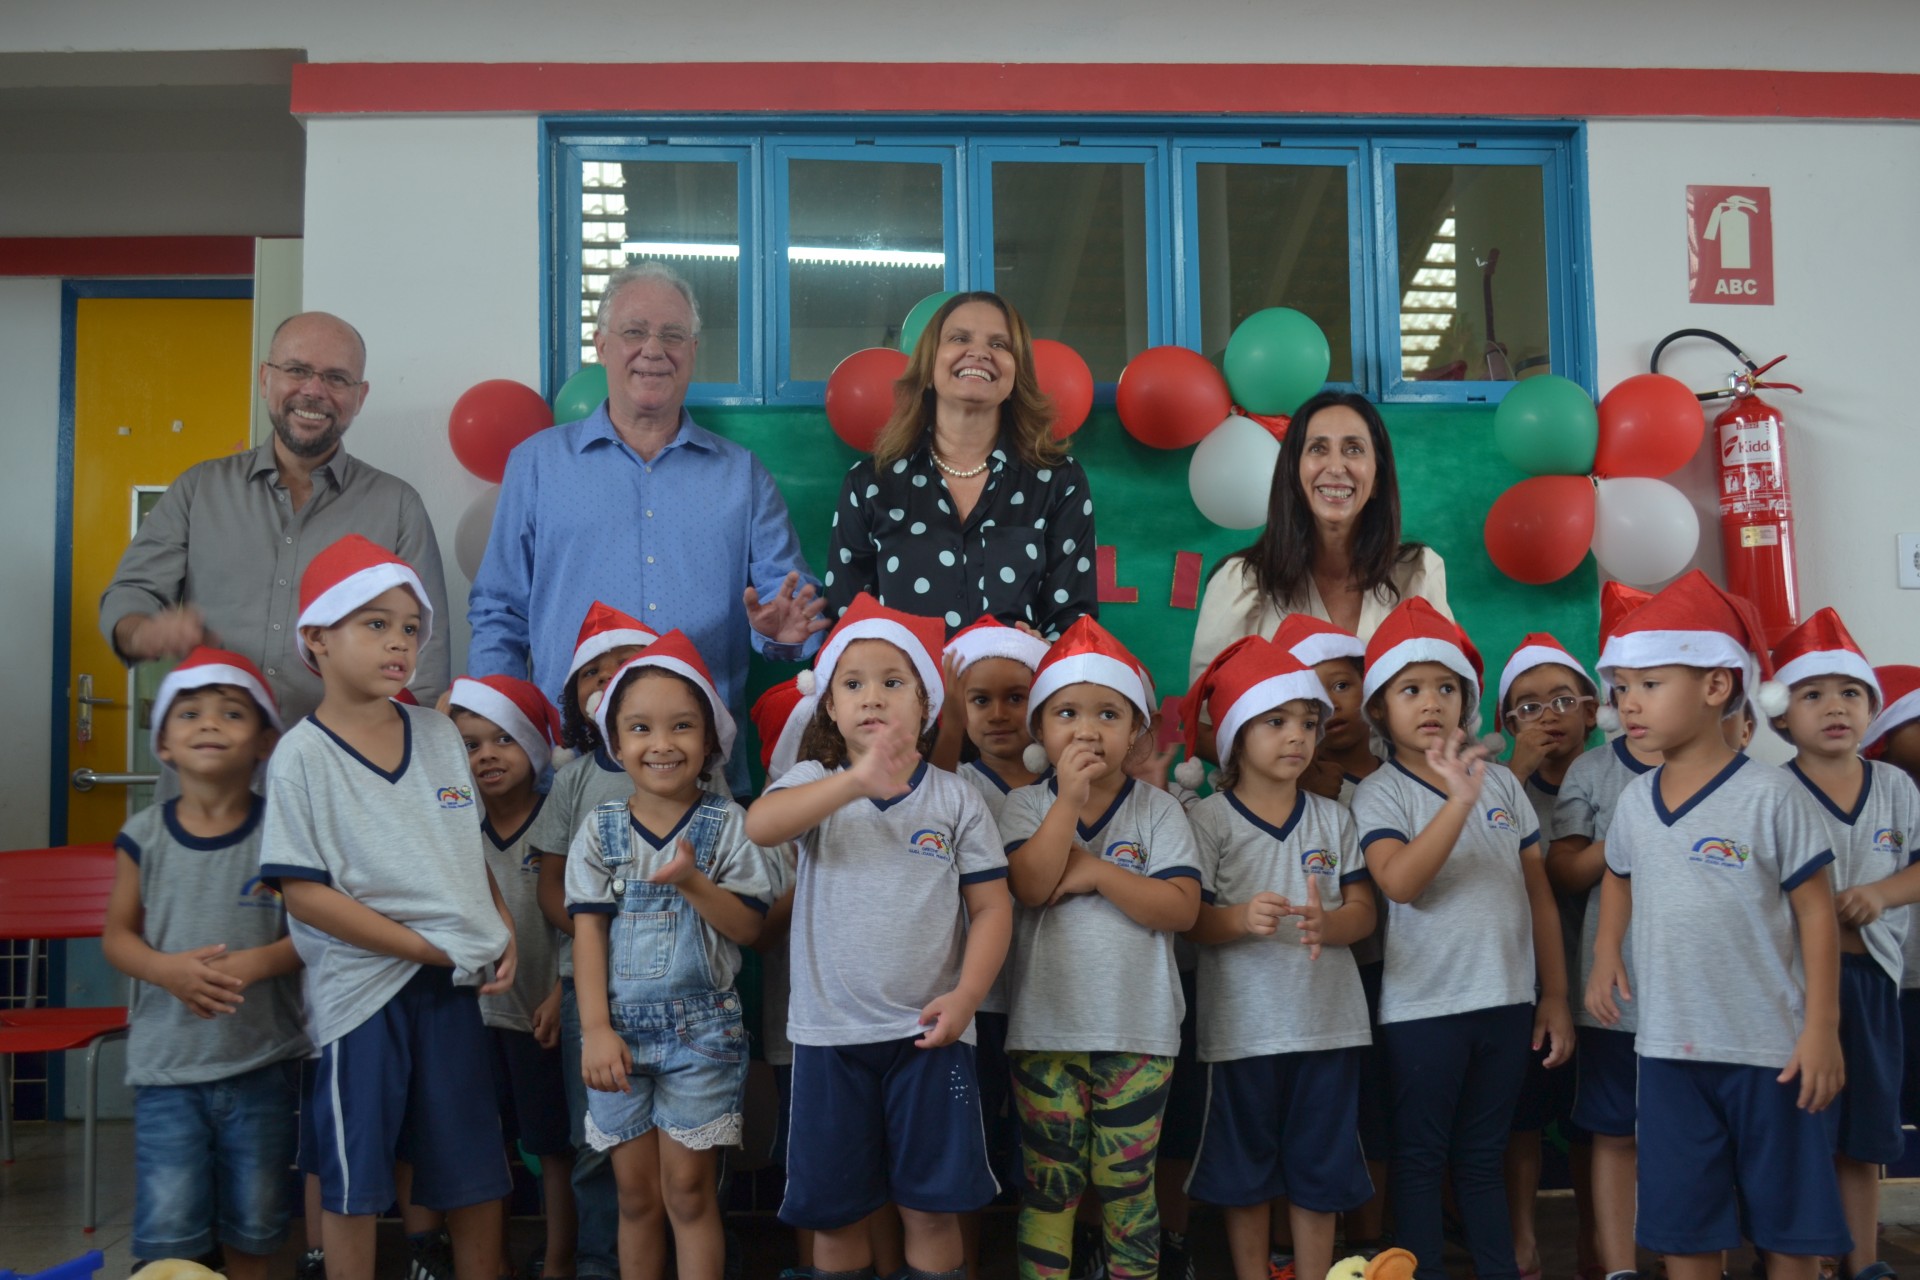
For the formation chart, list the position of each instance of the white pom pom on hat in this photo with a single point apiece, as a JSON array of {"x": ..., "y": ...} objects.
[
  {"x": 1034, "y": 756},
  {"x": 1190, "y": 773}
]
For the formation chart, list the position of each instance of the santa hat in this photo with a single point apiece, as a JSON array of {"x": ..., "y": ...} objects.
[
  {"x": 348, "y": 574},
  {"x": 515, "y": 705},
  {"x": 1822, "y": 646},
  {"x": 921, "y": 639},
  {"x": 672, "y": 652},
  {"x": 1693, "y": 623},
  {"x": 1901, "y": 685},
  {"x": 1539, "y": 649},
  {"x": 605, "y": 628},
  {"x": 1251, "y": 676},
  {"x": 1314, "y": 640},
  {"x": 991, "y": 638},
  {"x": 1417, "y": 632},
  {"x": 1086, "y": 653},
  {"x": 781, "y": 715},
  {"x": 1617, "y": 600},
  {"x": 206, "y": 666}
]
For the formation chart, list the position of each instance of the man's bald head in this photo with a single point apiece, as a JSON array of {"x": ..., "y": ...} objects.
[{"x": 318, "y": 323}]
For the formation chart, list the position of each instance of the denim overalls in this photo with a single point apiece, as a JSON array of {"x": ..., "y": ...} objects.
[{"x": 688, "y": 1045}]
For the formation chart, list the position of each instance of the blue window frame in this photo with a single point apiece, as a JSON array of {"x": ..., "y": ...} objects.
[{"x": 1419, "y": 199}]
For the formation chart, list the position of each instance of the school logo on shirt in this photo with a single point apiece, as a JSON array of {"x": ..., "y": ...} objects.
[
  {"x": 929, "y": 843},
  {"x": 1717, "y": 851},
  {"x": 531, "y": 863},
  {"x": 1320, "y": 862},
  {"x": 258, "y": 893},
  {"x": 1499, "y": 819},
  {"x": 456, "y": 797},
  {"x": 1887, "y": 840},
  {"x": 1126, "y": 853}
]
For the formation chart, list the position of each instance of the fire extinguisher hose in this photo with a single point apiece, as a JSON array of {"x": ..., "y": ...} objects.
[{"x": 1752, "y": 380}]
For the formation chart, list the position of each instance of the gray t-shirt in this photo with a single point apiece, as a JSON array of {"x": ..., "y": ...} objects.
[
  {"x": 516, "y": 869},
  {"x": 1715, "y": 952},
  {"x": 579, "y": 786},
  {"x": 1266, "y": 995},
  {"x": 1466, "y": 942},
  {"x": 1572, "y": 907},
  {"x": 879, "y": 923},
  {"x": 1874, "y": 841},
  {"x": 196, "y": 892},
  {"x": 1584, "y": 807},
  {"x": 1086, "y": 977},
  {"x": 405, "y": 844},
  {"x": 993, "y": 794},
  {"x": 754, "y": 875}
]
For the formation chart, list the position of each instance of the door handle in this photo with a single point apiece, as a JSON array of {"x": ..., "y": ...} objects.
[
  {"x": 83, "y": 719},
  {"x": 86, "y": 779}
]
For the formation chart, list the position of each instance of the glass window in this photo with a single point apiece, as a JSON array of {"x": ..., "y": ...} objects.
[
  {"x": 1274, "y": 235},
  {"x": 1474, "y": 304},
  {"x": 865, "y": 241},
  {"x": 1070, "y": 251}
]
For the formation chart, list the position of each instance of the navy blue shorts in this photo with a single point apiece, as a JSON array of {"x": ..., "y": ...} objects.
[
  {"x": 1283, "y": 1124},
  {"x": 1186, "y": 1113},
  {"x": 1605, "y": 1073},
  {"x": 1870, "y": 1040},
  {"x": 872, "y": 1123},
  {"x": 1376, "y": 1086},
  {"x": 414, "y": 1082},
  {"x": 1910, "y": 1032},
  {"x": 531, "y": 1093},
  {"x": 1725, "y": 1153}
]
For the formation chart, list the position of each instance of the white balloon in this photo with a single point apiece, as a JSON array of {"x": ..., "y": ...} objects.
[
  {"x": 1231, "y": 474},
  {"x": 1644, "y": 531},
  {"x": 470, "y": 536}
]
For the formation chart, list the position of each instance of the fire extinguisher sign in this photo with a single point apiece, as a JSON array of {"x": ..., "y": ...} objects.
[{"x": 1730, "y": 245}]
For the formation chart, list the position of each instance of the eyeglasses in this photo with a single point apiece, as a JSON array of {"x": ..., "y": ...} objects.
[
  {"x": 336, "y": 379},
  {"x": 1527, "y": 711},
  {"x": 671, "y": 338}
]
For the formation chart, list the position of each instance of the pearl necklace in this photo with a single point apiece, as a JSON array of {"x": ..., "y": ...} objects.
[{"x": 954, "y": 471}]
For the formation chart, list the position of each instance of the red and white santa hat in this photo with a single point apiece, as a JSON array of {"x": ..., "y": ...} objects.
[
  {"x": 1901, "y": 686},
  {"x": 673, "y": 652},
  {"x": 345, "y": 577},
  {"x": 606, "y": 628},
  {"x": 992, "y": 638},
  {"x": 1417, "y": 632},
  {"x": 1822, "y": 646},
  {"x": 1617, "y": 600},
  {"x": 205, "y": 666},
  {"x": 1314, "y": 640},
  {"x": 1539, "y": 649},
  {"x": 1693, "y": 623},
  {"x": 1250, "y": 677},
  {"x": 515, "y": 705},
  {"x": 923, "y": 640},
  {"x": 1086, "y": 653},
  {"x": 780, "y": 715}
]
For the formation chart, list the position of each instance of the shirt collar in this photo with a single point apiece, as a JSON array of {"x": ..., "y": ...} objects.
[
  {"x": 334, "y": 470},
  {"x": 599, "y": 428}
]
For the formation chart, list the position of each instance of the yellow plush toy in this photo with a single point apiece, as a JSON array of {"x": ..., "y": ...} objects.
[
  {"x": 1388, "y": 1264},
  {"x": 175, "y": 1269}
]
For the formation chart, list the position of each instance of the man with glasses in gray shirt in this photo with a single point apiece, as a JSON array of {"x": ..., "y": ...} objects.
[{"x": 219, "y": 558}]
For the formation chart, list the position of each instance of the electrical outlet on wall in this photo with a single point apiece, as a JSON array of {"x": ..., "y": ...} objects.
[{"x": 1909, "y": 544}]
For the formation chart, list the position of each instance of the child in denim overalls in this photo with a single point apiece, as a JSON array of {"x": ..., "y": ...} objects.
[{"x": 664, "y": 890}]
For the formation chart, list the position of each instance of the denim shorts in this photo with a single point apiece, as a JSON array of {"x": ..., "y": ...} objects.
[
  {"x": 689, "y": 1074},
  {"x": 211, "y": 1163}
]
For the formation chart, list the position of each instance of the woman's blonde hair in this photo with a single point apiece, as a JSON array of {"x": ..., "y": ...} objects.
[{"x": 1026, "y": 415}]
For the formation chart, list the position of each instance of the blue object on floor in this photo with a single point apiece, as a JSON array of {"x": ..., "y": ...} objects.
[{"x": 80, "y": 1268}]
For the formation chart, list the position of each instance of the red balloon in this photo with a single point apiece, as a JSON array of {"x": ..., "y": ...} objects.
[
  {"x": 1540, "y": 529},
  {"x": 860, "y": 394},
  {"x": 1065, "y": 379},
  {"x": 1650, "y": 425},
  {"x": 1170, "y": 397},
  {"x": 489, "y": 419}
]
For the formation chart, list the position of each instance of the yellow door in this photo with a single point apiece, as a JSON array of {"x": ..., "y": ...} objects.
[{"x": 158, "y": 385}]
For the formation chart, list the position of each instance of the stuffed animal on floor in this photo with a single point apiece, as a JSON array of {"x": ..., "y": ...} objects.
[
  {"x": 174, "y": 1269},
  {"x": 1388, "y": 1264}
]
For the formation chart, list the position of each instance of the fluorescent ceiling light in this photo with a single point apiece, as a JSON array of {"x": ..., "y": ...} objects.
[{"x": 795, "y": 253}]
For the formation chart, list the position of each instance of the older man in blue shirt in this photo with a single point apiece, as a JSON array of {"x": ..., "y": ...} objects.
[{"x": 641, "y": 508}]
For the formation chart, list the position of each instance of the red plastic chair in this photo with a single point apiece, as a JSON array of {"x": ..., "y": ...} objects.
[{"x": 56, "y": 893}]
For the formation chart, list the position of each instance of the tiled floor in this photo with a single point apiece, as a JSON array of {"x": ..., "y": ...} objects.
[{"x": 41, "y": 1199}]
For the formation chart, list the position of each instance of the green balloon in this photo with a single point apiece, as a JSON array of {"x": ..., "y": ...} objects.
[
  {"x": 581, "y": 394},
  {"x": 1547, "y": 426},
  {"x": 916, "y": 321},
  {"x": 1275, "y": 359}
]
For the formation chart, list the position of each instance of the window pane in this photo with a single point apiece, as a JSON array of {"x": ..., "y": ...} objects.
[
  {"x": 685, "y": 213},
  {"x": 1274, "y": 235},
  {"x": 1069, "y": 251},
  {"x": 1473, "y": 271},
  {"x": 865, "y": 241}
]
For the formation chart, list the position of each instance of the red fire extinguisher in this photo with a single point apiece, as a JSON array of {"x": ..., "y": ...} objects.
[{"x": 1756, "y": 505}]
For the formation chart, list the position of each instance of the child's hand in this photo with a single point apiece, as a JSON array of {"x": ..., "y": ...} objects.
[
  {"x": 1817, "y": 1062},
  {"x": 1859, "y": 906},
  {"x": 1461, "y": 765},
  {"x": 238, "y": 965},
  {"x": 1312, "y": 923},
  {"x": 605, "y": 1063},
  {"x": 1531, "y": 745},
  {"x": 1149, "y": 762},
  {"x": 1074, "y": 775},
  {"x": 194, "y": 980},
  {"x": 946, "y": 1018},
  {"x": 950, "y": 670},
  {"x": 1082, "y": 875},
  {"x": 882, "y": 773},
  {"x": 546, "y": 1020},
  {"x": 1264, "y": 912},
  {"x": 1553, "y": 1027},
  {"x": 1609, "y": 977},
  {"x": 503, "y": 969},
  {"x": 678, "y": 868}
]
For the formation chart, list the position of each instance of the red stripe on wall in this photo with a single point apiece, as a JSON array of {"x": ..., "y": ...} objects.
[
  {"x": 344, "y": 88},
  {"x": 126, "y": 256}
]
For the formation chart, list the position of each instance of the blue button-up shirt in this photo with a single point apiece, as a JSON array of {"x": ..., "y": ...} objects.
[{"x": 673, "y": 541}]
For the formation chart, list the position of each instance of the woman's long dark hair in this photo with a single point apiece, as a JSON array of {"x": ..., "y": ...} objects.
[{"x": 1282, "y": 559}]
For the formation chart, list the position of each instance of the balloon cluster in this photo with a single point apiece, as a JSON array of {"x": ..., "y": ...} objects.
[
  {"x": 1595, "y": 480},
  {"x": 1170, "y": 397},
  {"x": 859, "y": 397}
]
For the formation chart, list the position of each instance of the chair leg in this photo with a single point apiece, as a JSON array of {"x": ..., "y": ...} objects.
[
  {"x": 6, "y": 1108},
  {"x": 93, "y": 1110}
]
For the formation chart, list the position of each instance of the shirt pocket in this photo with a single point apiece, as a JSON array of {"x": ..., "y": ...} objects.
[{"x": 642, "y": 944}]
